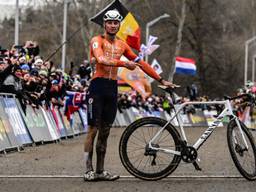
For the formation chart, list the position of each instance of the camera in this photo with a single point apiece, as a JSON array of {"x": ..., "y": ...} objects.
[{"x": 18, "y": 47}]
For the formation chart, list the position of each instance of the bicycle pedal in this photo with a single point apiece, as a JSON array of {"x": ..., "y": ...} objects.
[{"x": 197, "y": 166}]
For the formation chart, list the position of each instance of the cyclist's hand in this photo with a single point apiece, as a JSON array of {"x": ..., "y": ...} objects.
[
  {"x": 169, "y": 84},
  {"x": 131, "y": 65}
]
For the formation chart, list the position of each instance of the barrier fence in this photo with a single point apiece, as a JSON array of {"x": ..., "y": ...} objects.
[
  {"x": 43, "y": 125},
  {"x": 18, "y": 129},
  {"x": 200, "y": 118}
]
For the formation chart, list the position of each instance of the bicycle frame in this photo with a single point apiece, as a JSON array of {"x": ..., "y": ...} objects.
[{"x": 227, "y": 111}]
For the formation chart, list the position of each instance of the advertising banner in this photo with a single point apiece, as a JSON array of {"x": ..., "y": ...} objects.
[
  {"x": 4, "y": 143},
  {"x": 76, "y": 123},
  {"x": 61, "y": 125},
  {"x": 7, "y": 126},
  {"x": 197, "y": 118},
  {"x": 31, "y": 124},
  {"x": 83, "y": 116},
  {"x": 58, "y": 122},
  {"x": 66, "y": 123},
  {"x": 36, "y": 125},
  {"x": 50, "y": 124},
  {"x": 16, "y": 121},
  {"x": 211, "y": 117}
]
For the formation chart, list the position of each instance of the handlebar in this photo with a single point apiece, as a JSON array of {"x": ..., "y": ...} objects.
[
  {"x": 250, "y": 98},
  {"x": 169, "y": 90},
  {"x": 246, "y": 95}
]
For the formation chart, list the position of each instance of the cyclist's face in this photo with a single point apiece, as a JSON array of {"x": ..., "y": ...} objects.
[{"x": 112, "y": 27}]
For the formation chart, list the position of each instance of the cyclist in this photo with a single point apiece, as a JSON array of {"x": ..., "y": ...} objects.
[{"x": 107, "y": 49}]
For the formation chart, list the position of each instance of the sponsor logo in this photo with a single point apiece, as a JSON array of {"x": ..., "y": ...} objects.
[
  {"x": 90, "y": 101},
  {"x": 95, "y": 45}
]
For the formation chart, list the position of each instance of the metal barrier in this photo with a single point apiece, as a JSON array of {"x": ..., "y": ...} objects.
[
  {"x": 43, "y": 125},
  {"x": 37, "y": 125},
  {"x": 198, "y": 119}
]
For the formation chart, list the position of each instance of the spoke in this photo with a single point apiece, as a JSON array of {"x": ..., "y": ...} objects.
[
  {"x": 160, "y": 160},
  {"x": 165, "y": 141},
  {"x": 146, "y": 163},
  {"x": 153, "y": 166},
  {"x": 247, "y": 161},
  {"x": 134, "y": 156},
  {"x": 135, "y": 144},
  {"x": 159, "y": 164},
  {"x": 149, "y": 132},
  {"x": 145, "y": 141},
  {"x": 167, "y": 158},
  {"x": 138, "y": 139},
  {"x": 153, "y": 132},
  {"x": 134, "y": 147},
  {"x": 168, "y": 139},
  {"x": 160, "y": 136},
  {"x": 133, "y": 150},
  {"x": 136, "y": 160}
]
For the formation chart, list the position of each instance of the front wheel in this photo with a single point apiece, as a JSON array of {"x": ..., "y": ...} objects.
[
  {"x": 142, "y": 161},
  {"x": 243, "y": 157}
]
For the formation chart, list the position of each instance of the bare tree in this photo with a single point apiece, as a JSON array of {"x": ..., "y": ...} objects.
[{"x": 179, "y": 39}]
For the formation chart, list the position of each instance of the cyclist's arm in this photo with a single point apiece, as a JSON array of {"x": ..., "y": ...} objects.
[
  {"x": 144, "y": 66},
  {"x": 97, "y": 51}
]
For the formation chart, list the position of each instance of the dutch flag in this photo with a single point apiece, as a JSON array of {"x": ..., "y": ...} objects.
[{"x": 185, "y": 66}]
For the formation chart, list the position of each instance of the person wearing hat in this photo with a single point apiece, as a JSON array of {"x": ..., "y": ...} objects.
[
  {"x": 107, "y": 49},
  {"x": 85, "y": 70},
  {"x": 38, "y": 63},
  {"x": 22, "y": 60}
]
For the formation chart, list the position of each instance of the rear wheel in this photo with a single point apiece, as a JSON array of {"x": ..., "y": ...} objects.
[
  {"x": 243, "y": 157},
  {"x": 139, "y": 159}
]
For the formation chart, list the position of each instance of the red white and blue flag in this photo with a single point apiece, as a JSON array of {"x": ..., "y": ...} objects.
[
  {"x": 74, "y": 101},
  {"x": 185, "y": 66}
]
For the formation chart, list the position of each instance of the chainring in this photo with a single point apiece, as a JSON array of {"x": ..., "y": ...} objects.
[{"x": 189, "y": 154}]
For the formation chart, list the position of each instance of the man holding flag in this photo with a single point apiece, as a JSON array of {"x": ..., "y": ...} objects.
[{"x": 107, "y": 49}]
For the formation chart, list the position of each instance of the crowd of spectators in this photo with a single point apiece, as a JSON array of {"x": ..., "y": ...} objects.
[
  {"x": 150, "y": 104},
  {"x": 38, "y": 82},
  {"x": 35, "y": 81},
  {"x": 157, "y": 103},
  {"x": 166, "y": 103}
]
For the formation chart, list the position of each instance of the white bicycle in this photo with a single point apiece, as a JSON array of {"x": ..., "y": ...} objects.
[{"x": 151, "y": 148}]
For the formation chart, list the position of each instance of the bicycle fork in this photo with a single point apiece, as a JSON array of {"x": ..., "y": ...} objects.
[{"x": 242, "y": 134}]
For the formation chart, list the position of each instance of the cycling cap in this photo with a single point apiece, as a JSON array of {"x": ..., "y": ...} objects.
[{"x": 112, "y": 15}]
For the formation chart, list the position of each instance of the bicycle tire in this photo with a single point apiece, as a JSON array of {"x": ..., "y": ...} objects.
[
  {"x": 138, "y": 126},
  {"x": 237, "y": 151}
]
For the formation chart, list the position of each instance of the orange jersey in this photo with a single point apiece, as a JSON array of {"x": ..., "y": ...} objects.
[{"x": 108, "y": 53}]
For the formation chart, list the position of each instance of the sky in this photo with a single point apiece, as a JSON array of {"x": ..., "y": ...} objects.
[
  {"x": 13, "y": 2},
  {"x": 7, "y": 7},
  {"x": 21, "y": 2}
]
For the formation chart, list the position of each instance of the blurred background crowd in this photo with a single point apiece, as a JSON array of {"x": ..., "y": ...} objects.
[{"x": 36, "y": 81}]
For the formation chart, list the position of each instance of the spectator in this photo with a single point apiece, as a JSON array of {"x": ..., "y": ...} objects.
[
  {"x": 11, "y": 83},
  {"x": 192, "y": 92},
  {"x": 85, "y": 70},
  {"x": 37, "y": 64}
]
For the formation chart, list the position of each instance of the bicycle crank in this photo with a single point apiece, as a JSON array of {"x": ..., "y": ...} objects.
[{"x": 189, "y": 154}]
